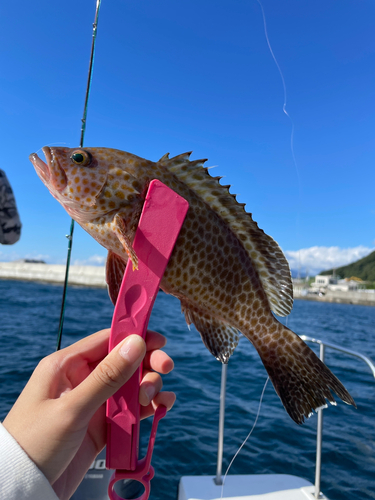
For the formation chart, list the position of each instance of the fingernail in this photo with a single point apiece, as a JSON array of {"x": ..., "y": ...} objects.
[{"x": 133, "y": 349}]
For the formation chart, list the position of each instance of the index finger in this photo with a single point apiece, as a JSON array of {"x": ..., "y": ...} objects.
[{"x": 92, "y": 348}]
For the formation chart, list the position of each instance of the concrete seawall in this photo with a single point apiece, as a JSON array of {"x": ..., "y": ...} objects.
[
  {"x": 53, "y": 273},
  {"x": 362, "y": 297},
  {"x": 95, "y": 276}
]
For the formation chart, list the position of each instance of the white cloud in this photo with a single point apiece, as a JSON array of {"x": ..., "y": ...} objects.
[
  {"x": 8, "y": 257},
  {"x": 315, "y": 259},
  {"x": 94, "y": 260}
]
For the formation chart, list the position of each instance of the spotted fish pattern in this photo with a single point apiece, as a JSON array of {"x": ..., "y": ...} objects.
[{"x": 228, "y": 274}]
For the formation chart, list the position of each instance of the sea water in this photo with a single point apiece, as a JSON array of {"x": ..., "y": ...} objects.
[{"x": 187, "y": 438}]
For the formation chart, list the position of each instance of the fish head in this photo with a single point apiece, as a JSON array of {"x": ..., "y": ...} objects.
[{"x": 75, "y": 177}]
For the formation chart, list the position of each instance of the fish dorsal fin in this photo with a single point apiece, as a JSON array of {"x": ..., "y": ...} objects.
[
  {"x": 164, "y": 157},
  {"x": 265, "y": 253}
]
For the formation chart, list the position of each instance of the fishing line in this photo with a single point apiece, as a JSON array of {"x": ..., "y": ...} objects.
[
  {"x": 247, "y": 437},
  {"x": 299, "y": 190},
  {"x": 291, "y": 121},
  {"x": 83, "y": 130},
  {"x": 49, "y": 144},
  {"x": 284, "y": 89}
]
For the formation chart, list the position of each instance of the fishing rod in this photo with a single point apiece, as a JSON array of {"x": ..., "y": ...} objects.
[{"x": 83, "y": 130}]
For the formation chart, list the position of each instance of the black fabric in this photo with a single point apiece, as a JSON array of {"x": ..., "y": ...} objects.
[{"x": 10, "y": 224}]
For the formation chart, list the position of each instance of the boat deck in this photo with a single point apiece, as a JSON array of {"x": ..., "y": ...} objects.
[{"x": 247, "y": 487}]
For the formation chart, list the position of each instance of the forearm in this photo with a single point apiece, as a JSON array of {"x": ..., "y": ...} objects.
[{"x": 20, "y": 478}]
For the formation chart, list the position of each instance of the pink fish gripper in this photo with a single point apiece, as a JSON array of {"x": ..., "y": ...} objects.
[{"x": 162, "y": 217}]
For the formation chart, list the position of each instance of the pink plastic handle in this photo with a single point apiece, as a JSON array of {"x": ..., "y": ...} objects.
[
  {"x": 161, "y": 220},
  {"x": 144, "y": 471}
]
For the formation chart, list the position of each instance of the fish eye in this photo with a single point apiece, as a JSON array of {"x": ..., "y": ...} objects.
[{"x": 81, "y": 157}]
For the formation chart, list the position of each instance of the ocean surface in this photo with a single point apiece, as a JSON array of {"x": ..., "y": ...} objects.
[{"x": 187, "y": 438}]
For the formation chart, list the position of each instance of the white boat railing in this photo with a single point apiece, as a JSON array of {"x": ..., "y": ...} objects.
[
  {"x": 219, "y": 467},
  {"x": 319, "y": 433},
  {"x": 319, "y": 430}
]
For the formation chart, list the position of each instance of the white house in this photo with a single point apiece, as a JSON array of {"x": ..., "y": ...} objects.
[{"x": 324, "y": 283}]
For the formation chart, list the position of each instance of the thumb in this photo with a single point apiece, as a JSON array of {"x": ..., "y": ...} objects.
[{"x": 110, "y": 374}]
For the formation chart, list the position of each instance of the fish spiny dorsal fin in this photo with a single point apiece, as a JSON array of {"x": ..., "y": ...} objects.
[
  {"x": 164, "y": 157},
  {"x": 265, "y": 253},
  {"x": 180, "y": 159}
]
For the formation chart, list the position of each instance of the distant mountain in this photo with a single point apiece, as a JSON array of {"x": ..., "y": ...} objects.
[{"x": 363, "y": 269}]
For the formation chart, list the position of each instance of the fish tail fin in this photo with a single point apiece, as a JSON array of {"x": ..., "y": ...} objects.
[{"x": 301, "y": 380}]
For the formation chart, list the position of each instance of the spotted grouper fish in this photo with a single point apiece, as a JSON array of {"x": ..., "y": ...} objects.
[{"x": 228, "y": 274}]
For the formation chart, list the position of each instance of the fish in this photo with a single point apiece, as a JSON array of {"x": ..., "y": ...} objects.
[{"x": 229, "y": 275}]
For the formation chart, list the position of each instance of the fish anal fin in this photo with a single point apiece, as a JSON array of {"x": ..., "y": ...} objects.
[
  {"x": 301, "y": 380},
  {"x": 115, "y": 268},
  {"x": 220, "y": 338}
]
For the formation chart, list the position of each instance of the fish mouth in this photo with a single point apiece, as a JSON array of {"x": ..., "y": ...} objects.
[
  {"x": 41, "y": 168},
  {"x": 48, "y": 171}
]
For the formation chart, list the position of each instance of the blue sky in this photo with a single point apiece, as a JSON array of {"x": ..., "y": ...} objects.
[{"x": 198, "y": 76}]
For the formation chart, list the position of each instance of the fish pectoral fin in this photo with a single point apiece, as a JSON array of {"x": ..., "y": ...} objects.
[
  {"x": 115, "y": 268},
  {"x": 122, "y": 235},
  {"x": 220, "y": 338}
]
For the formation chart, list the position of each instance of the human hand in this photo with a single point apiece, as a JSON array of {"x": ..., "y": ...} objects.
[{"x": 59, "y": 418}]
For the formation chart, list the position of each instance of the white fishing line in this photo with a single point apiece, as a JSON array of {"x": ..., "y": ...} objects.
[
  {"x": 51, "y": 144},
  {"x": 299, "y": 190},
  {"x": 247, "y": 437},
  {"x": 292, "y": 123},
  {"x": 284, "y": 88}
]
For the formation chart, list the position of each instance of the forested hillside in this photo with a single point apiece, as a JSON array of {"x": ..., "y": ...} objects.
[{"x": 363, "y": 269}]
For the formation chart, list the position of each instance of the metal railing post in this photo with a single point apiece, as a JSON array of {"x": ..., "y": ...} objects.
[
  {"x": 220, "y": 443},
  {"x": 319, "y": 437},
  {"x": 319, "y": 431},
  {"x": 319, "y": 434}
]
